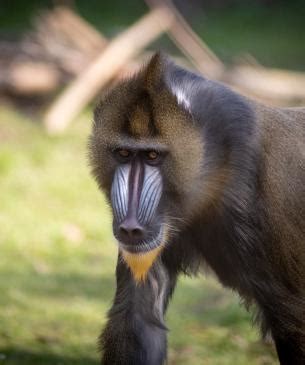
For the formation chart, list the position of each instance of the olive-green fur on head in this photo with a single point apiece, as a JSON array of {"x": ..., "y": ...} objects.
[{"x": 143, "y": 111}]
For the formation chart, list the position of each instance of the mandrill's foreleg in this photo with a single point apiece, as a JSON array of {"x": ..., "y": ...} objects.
[{"x": 135, "y": 333}]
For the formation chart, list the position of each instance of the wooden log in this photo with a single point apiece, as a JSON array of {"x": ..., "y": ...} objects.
[
  {"x": 271, "y": 85},
  {"x": 31, "y": 78},
  {"x": 119, "y": 51},
  {"x": 203, "y": 58},
  {"x": 72, "y": 29},
  {"x": 80, "y": 30},
  {"x": 68, "y": 39}
]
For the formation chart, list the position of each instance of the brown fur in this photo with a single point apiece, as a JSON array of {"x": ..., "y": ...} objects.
[
  {"x": 283, "y": 186},
  {"x": 139, "y": 123},
  {"x": 234, "y": 190}
]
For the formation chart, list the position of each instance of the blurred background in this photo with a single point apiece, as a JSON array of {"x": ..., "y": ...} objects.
[{"x": 57, "y": 254}]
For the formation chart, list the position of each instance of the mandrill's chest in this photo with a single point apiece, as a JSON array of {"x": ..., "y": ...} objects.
[{"x": 226, "y": 253}]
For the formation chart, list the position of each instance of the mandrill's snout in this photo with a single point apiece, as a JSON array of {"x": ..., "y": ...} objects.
[
  {"x": 135, "y": 197},
  {"x": 131, "y": 232}
]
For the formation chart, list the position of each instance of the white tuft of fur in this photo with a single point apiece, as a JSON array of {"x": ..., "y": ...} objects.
[{"x": 181, "y": 97}]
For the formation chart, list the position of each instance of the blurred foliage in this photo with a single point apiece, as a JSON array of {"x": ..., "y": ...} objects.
[
  {"x": 271, "y": 31},
  {"x": 274, "y": 35},
  {"x": 58, "y": 258}
]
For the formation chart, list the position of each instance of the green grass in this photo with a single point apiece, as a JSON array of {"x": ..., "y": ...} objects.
[{"x": 57, "y": 260}]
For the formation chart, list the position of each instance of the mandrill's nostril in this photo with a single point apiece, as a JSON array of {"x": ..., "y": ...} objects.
[
  {"x": 131, "y": 230},
  {"x": 137, "y": 233}
]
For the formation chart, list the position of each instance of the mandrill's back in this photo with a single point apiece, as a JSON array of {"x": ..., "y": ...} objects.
[{"x": 283, "y": 184}]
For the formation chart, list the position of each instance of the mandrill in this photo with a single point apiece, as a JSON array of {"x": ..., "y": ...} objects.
[{"x": 196, "y": 175}]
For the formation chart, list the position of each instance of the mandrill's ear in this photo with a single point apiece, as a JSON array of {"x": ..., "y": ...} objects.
[
  {"x": 154, "y": 72},
  {"x": 162, "y": 73}
]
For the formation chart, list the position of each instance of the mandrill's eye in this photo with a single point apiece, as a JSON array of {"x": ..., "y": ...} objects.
[
  {"x": 122, "y": 154},
  {"x": 152, "y": 157}
]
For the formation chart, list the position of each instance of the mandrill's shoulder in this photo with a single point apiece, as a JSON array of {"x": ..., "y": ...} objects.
[
  {"x": 282, "y": 136},
  {"x": 297, "y": 114},
  {"x": 284, "y": 127}
]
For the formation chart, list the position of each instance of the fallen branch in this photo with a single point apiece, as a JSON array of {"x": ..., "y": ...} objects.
[
  {"x": 61, "y": 45},
  {"x": 119, "y": 51},
  {"x": 269, "y": 85},
  {"x": 68, "y": 39},
  {"x": 203, "y": 58},
  {"x": 31, "y": 78}
]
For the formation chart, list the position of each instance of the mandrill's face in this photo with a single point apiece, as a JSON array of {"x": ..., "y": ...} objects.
[
  {"x": 139, "y": 222},
  {"x": 139, "y": 142},
  {"x": 136, "y": 192}
]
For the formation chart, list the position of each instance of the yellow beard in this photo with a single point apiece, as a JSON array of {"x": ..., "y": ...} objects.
[{"x": 140, "y": 263}]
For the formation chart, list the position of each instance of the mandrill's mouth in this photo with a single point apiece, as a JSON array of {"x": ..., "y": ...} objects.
[{"x": 139, "y": 258}]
